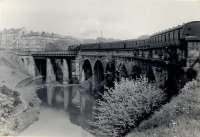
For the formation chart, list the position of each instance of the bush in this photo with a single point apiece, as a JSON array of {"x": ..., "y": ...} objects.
[{"x": 122, "y": 107}]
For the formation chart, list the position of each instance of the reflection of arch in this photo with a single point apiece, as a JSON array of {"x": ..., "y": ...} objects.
[
  {"x": 87, "y": 69},
  {"x": 110, "y": 74},
  {"x": 136, "y": 72},
  {"x": 150, "y": 75}
]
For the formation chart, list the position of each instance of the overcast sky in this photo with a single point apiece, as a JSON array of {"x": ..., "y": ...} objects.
[{"x": 124, "y": 19}]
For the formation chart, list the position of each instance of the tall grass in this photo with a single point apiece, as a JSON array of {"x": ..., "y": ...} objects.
[{"x": 180, "y": 117}]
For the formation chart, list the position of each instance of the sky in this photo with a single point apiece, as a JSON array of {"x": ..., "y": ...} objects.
[{"x": 121, "y": 19}]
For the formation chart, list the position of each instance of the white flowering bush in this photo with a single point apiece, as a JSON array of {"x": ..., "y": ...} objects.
[{"x": 122, "y": 107}]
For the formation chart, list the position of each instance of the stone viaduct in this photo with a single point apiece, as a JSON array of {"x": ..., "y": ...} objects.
[{"x": 168, "y": 58}]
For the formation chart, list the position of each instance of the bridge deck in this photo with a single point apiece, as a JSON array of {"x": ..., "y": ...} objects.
[
  {"x": 54, "y": 53},
  {"x": 65, "y": 53}
]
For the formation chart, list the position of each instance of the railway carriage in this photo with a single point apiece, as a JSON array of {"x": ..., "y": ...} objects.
[
  {"x": 177, "y": 36},
  {"x": 112, "y": 45}
]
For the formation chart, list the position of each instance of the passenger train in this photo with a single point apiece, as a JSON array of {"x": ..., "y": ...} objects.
[{"x": 188, "y": 32}]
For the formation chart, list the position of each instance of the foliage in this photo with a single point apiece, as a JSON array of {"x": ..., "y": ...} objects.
[
  {"x": 15, "y": 112},
  {"x": 122, "y": 107},
  {"x": 9, "y": 100},
  {"x": 179, "y": 118}
]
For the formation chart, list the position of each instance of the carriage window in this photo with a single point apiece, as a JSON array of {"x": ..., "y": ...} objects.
[
  {"x": 176, "y": 34},
  {"x": 171, "y": 35},
  {"x": 181, "y": 33},
  {"x": 167, "y": 36},
  {"x": 163, "y": 38},
  {"x": 160, "y": 38},
  {"x": 157, "y": 39},
  {"x": 193, "y": 49}
]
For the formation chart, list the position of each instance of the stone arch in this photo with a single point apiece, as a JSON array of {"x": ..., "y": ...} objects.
[
  {"x": 87, "y": 69},
  {"x": 129, "y": 68},
  {"x": 150, "y": 75},
  {"x": 40, "y": 66},
  {"x": 98, "y": 71},
  {"x": 110, "y": 74},
  {"x": 40, "y": 69},
  {"x": 98, "y": 78},
  {"x": 57, "y": 67},
  {"x": 175, "y": 79},
  {"x": 121, "y": 72},
  {"x": 191, "y": 74},
  {"x": 136, "y": 72}
]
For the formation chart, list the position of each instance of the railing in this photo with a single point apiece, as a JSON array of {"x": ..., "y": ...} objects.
[
  {"x": 42, "y": 52},
  {"x": 53, "y": 53}
]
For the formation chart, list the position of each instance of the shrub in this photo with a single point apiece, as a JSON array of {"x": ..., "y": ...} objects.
[{"x": 122, "y": 107}]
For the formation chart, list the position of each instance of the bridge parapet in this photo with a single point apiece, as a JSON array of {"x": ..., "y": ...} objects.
[
  {"x": 54, "y": 53},
  {"x": 47, "y": 53}
]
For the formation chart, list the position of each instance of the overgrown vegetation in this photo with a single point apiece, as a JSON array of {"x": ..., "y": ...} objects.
[
  {"x": 179, "y": 118},
  {"x": 15, "y": 115},
  {"x": 9, "y": 100},
  {"x": 122, "y": 107}
]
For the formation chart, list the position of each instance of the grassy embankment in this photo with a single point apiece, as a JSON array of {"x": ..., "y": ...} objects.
[{"x": 178, "y": 118}]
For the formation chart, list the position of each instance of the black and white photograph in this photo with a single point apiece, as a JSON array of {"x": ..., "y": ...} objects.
[{"x": 99, "y": 68}]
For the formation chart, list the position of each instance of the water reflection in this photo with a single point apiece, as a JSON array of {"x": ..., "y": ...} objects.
[{"x": 74, "y": 98}]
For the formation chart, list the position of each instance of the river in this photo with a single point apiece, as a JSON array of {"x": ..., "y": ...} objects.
[{"x": 54, "y": 122}]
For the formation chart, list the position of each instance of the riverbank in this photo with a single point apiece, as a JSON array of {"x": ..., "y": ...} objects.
[{"x": 26, "y": 112}]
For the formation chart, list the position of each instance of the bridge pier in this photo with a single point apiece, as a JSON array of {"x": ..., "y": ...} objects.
[
  {"x": 50, "y": 78},
  {"x": 65, "y": 82},
  {"x": 31, "y": 66},
  {"x": 50, "y": 91}
]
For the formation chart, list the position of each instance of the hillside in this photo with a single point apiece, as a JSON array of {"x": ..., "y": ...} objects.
[
  {"x": 19, "y": 107},
  {"x": 179, "y": 118},
  {"x": 22, "y": 38}
]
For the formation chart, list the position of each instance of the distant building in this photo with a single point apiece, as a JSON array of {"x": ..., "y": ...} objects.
[
  {"x": 20, "y": 38},
  {"x": 9, "y": 38}
]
